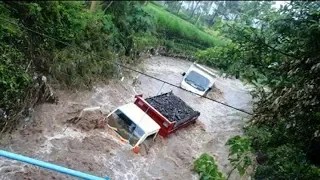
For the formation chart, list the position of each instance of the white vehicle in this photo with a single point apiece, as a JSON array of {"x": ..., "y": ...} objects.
[
  {"x": 132, "y": 125},
  {"x": 140, "y": 122},
  {"x": 198, "y": 79}
]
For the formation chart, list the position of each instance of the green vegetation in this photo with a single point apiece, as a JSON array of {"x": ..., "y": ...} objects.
[
  {"x": 96, "y": 36},
  {"x": 173, "y": 27},
  {"x": 275, "y": 50},
  {"x": 180, "y": 37},
  {"x": 98, "y": 32},
  {"x": 240, "y": 154},
  {"x": 207, "y": 168}
]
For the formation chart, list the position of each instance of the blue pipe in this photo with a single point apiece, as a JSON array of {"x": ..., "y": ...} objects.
[{"x": 50, "y": 166}]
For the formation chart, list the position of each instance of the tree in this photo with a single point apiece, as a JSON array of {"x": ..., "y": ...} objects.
[
  {"x": 204, "y": 9},
  {"x": 173, "y": 6},
  {"x": 194, "y": 9},
  {"x": 179, "y": 6},
  {"x": 129, "y": 18},
  {"x": 190, "y": 5},
  {"x": 217, "y": 11},
  {"x": 278, "y": 50},
  {"x": 93, "y": 5}
]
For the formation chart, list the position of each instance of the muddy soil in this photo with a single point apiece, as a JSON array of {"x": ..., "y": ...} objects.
[{"x": 90, "y": 148}]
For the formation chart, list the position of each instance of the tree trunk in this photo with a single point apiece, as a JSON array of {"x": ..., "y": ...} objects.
[
  {"x": 108, "y": 6},
  {"x": 93, "y": 5},
  {"x": 194, "y": 9},
  {"x": 198, "y": 18},
  {"x": 190, "y": 6},
  {"x": 210, "y": 6},
  {"x": 179, "y": 8},
  {"x": 213, "y": 18}
]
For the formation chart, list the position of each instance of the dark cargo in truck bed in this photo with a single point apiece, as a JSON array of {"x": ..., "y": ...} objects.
[
  {"x": 172, "y": 107},
  {"x": 169, "y": 111}
]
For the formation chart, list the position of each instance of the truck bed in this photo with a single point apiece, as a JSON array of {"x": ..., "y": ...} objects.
[{"x": 173, "y": 108}]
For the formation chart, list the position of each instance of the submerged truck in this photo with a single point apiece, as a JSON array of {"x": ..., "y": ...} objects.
[
  {"x": 146, "y": 118},
  {"x": 198, "y": 79}
]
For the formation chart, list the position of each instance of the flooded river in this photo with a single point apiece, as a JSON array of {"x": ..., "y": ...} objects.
[{"x": 95, "y": 151}]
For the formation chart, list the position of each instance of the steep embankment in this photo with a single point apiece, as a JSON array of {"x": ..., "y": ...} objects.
[{"x": 178, "y": 35}]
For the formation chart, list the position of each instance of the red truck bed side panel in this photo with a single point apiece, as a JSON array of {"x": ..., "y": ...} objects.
[
  {"x": 167, "y": 127},
  {"x": 165, "y": 124}
]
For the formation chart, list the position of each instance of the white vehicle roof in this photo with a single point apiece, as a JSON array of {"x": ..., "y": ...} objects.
[
  {"x": 140, "y": 118},
  {"x": 208, "y": 71},
  {"x": 203, "y": 71}
]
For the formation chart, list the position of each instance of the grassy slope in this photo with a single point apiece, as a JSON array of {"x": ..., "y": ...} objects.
[{"x": 180, "y": 28}]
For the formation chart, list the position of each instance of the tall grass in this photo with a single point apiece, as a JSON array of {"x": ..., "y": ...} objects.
[{"x": 173, "y": 27}]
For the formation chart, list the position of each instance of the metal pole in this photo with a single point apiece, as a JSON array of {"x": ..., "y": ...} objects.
[{"x": 50, "y": 166}]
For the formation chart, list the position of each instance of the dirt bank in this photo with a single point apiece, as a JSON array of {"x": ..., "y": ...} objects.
[{"x": 94, "y": 150}]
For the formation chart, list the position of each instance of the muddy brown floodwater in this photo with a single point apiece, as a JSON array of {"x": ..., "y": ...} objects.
[{"x": 96, "y": 151}]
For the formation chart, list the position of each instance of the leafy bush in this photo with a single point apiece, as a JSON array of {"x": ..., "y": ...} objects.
[
  {"x": 284, "y": 131},
  {"x": 68, "y": 22},
  {"x": 14, "y": 76},
  {"x": 179, "y": 49},
  {"x": 95, "y": 38},
  {"x": 206, "y": 166},
  {"x": 13, "y": 79},
  {"x": 290, "y": 112},
  {"x": 71, "y": 68},
  {"x": 249, "y": 61},
  {"x": 240, "y": 153},
  {"x": 130, "y": 19},
  {"x": 220, "y": 56},
  {"x": 144, "y": 41}
]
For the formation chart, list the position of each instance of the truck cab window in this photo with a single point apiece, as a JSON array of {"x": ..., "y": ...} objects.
[
  {"x": 197, "y": 81},
  {"x": 126, "y": 128}
]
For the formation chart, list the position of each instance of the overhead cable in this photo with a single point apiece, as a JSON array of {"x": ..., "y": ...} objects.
[{"x": 126, "y": 67}]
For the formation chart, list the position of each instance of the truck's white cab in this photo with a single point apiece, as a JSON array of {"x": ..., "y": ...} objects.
[
  {"x": 198, "y": 79},
  {"x": 132, "y": 124}
]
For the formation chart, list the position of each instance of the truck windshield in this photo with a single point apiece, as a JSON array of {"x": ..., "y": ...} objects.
[
  {"x": 125, "y": 127},
  {"x": 197, "y": 81}
]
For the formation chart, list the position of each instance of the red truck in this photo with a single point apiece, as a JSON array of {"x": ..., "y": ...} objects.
[{"x": 163, "y": 114}]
